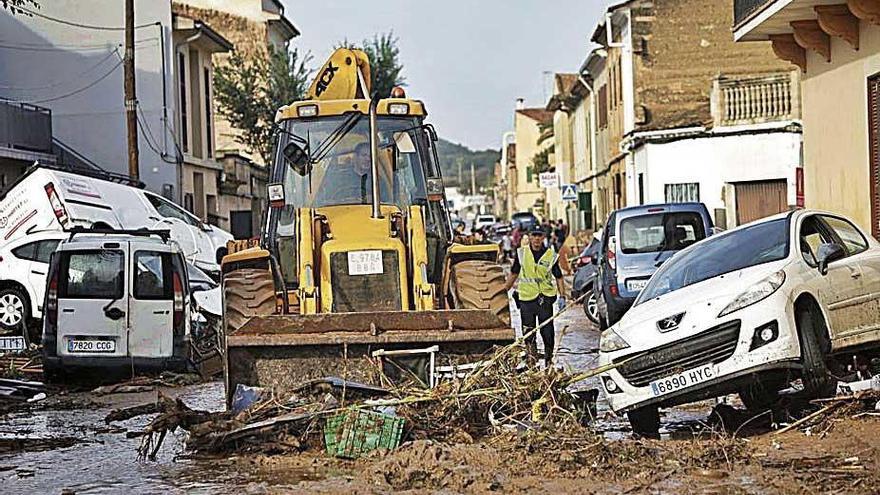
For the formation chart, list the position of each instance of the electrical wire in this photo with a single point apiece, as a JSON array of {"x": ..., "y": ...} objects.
[
  {"x": 81, "y": 25},
  {"x": 80, "y": 90},
  {"x": 28, "y": 47},
  {"x": 66, "y": 80}
]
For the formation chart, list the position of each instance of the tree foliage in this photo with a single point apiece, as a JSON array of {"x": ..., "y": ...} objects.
[
  {"x": 14, "y": 6},
  {"x": 541, "y": 160},
  {"x": 249, "y": 90},
  {"x": 385, "y": 66}
]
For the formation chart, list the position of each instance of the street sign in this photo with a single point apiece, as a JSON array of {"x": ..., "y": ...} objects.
[
  {"x": 569, "y": 192},
  {"x": 549, "y": 179}
]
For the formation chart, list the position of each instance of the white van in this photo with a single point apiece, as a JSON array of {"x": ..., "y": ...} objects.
[
  {"x": 116, "y": 300},
  {"x": 47, "y": 198}
]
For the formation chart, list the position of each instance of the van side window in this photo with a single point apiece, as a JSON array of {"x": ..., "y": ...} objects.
[
  {"x": 39, "y": 251},
  {"x": 92, "y": 274},
  {"x": 170, "y": 210},
  {"x": 152, "y": 279}
]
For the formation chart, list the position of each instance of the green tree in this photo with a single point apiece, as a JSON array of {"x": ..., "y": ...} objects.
[
  {"x": 14, "y": 6},
  {"x": 385, "y": 66},
  {"x": 249, "y": 90}
]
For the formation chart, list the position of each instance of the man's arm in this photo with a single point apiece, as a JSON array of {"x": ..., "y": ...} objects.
[
  {"x": 511, "y": 280},
  {"x": 560, "y": 287}
]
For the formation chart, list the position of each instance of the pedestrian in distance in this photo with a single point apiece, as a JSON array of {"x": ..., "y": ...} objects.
[{"x": 539, "y": 282}]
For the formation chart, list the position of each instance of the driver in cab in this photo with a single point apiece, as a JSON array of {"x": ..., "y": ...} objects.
[{"x": 349, "y": 184}]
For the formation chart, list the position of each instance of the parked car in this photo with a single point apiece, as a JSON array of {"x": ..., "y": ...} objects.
[
  {"x": 524, "y": 220},
  {"x": 47, "y": 198},
  {"x": 484, "y": 221},
  {"x": 635, "y": 242},
  {"x": 24, "y": 264},
  {"x": 116, "y": 301},
  {"x": 585, "y": 278},
  {"x": 746, "y": 311}
]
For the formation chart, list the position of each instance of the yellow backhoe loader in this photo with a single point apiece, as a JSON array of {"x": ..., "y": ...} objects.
[{"x": 356, "y": 270}]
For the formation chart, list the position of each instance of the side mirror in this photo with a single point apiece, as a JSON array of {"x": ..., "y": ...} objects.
[
  {"x": 829, "y": 253},
  {"x": 297, "y": 157}
]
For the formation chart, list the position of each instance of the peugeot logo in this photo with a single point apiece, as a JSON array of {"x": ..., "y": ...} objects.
[{"x": 669, "y": 323}]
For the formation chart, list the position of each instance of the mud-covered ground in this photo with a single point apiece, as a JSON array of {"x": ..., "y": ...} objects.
[{"x": 63, "y": 443}]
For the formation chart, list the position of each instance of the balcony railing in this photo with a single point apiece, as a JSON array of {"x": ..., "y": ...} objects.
[
  {"x": 743, "y": 9},
  {"x": 26, "y": 127},
  {"x": 756, "y": 99}
]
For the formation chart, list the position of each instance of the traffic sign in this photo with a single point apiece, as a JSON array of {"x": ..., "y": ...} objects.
[
  {"x": 569, "y": 192},
  {"x": 549, "y": 179}
]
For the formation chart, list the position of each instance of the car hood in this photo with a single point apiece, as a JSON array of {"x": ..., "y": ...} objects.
[{"x": 700, "y": 303}]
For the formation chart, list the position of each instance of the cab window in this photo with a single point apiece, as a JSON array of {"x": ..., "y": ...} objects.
[
  {"x": 170, "y": 210},
  {"x": 152, "y": 280},
  {"x": 850, "y": 237},
  {"x": 92, "y": 274}
]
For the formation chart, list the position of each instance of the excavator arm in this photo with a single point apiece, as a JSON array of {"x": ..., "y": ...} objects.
[{"x": 345, "y": 76}]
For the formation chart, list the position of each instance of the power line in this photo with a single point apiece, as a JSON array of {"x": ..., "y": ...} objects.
[
  {"x": 80, "y": 90},
  {"x": 33, "y": 47},
  {"x": 81, "y": 25},
  {"x": 66, "y": 80}
]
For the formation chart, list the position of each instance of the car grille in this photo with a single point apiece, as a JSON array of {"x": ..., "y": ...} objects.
[
  {"x": 374, "y": 292},
  {"x": 709, "y": 347}
]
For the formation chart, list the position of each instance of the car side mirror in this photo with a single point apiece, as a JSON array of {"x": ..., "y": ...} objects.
[
  {"x": 828, "y": 253},
  {"x": 297, "y": 157}
]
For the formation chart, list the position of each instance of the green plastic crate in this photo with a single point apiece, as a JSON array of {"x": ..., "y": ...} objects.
[{"x": 353, "y": 433}]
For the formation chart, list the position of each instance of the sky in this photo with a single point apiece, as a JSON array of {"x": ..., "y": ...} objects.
[{"x": 467, "y": 60}]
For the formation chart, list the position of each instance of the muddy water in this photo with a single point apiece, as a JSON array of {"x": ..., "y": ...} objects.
[{"x": 105, "y": 461}]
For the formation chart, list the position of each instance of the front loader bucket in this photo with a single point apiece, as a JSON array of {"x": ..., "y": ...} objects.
[{"x": 279, "y": 352}]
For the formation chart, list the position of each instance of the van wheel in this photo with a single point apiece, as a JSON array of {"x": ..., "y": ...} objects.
[
  {"x": 14, "y": 309},
  {"x": 477, "y": 284},
  {"x": 591, "y": 306},
  {"x": 818, "y": 382},
  {"x": 247, "y": 292},
  {"x": 645, "y": 421}
]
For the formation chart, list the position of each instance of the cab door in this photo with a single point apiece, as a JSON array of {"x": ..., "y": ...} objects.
[
  {"x": 93, "y": 302},
  {"x": 151, "y": 304}
]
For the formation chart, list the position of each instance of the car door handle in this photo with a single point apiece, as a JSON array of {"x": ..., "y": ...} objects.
[
  {"x": 35, "y": 272},
  {"x": 68, "y": 310},
  {"x": 856, "y": 274},
  {"x": 163, "y": 312},
  {"x": 114, "y": 313}
]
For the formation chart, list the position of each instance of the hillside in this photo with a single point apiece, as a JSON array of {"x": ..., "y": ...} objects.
[{"x": 452, "y": 154}]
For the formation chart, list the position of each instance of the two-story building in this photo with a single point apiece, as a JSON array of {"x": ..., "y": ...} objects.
[
  {"x": 528, "y": 195},
  {"x": 836, "y": 47}
]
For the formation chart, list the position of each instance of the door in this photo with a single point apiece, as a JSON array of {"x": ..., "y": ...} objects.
[
  {"x": 151, "y": 305},
  {"x": 840, "y": 290},
  {"x": 755, "y": 200},
  {"x": 864, "y": 264},
  {"x": 874, "y": 150},
  {"x": 93, "y": 302}
]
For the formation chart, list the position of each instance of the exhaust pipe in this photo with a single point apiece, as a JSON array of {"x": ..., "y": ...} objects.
[{"x": 374, "y": 157}]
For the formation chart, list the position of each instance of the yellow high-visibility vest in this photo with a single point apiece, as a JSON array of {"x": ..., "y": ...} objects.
[{"x": 536, "y": 278}]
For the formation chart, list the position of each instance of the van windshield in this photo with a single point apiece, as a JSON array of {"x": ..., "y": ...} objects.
[
  {"x": 749, "y": 246},
  {"x": 93, "y": 274},
  {"x": 660, "y": 232}
]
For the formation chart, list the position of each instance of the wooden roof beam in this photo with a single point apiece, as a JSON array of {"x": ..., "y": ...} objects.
[
  {"x": 809, "y": 35},
  {"x": 837, "y": 20},
  {"x": 786, "y": 48},
  {"x": 866, "y": 10}
]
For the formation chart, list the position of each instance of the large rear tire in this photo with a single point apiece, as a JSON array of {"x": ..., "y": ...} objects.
[
  {"x": 477, "y": 284},
  {"x": 247, "y": 292}
]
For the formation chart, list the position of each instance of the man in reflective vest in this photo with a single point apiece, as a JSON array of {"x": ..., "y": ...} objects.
[{"x": 536, "y": 267}]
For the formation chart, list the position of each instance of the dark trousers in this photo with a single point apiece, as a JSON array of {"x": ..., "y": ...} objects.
[{"x": 533, "y": 313}]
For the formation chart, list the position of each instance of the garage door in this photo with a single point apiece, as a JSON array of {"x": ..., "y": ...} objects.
[{"x": 760, "y": 199}]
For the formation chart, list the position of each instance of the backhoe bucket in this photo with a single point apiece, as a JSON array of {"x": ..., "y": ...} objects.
[{"x": 278, "y": 352}]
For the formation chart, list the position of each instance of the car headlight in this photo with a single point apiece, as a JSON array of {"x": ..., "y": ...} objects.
[
  {"x": 755, "y": 293},
  {"x": 609, "y": 341}
]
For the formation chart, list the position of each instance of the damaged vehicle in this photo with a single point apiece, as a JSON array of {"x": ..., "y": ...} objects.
[{"x": 793, "y": 296}]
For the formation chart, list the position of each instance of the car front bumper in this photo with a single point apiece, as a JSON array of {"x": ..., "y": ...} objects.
[{"x": 746, "y": 363}]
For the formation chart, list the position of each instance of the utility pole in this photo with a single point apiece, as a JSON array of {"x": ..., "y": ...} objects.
[
  {"x": 460, "y": 183},
  {"x": 130, "y": 93},
  {"x": 473, "y": 181}
]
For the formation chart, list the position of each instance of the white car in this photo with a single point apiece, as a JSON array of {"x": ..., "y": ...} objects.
[
  {"x": 484, "y": 221},
  {"x": 24, "y": 265},
  {"x": 747, "y": 311}
]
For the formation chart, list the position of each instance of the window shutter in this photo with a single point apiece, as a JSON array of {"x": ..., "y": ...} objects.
[{"x": 874, "y": 140}]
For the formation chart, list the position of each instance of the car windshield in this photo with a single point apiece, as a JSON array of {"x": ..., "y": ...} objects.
[
  {"x": 342, "y": 175},
  {"x": 660, "y": 232},
  {"x": 750, "y": 246}
]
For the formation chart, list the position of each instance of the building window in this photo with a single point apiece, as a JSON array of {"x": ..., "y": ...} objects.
[
  {"x": 184, "y": 116},
  {"x": 874, "y": 151},
  {"x": 529, "y": 174},
  {"x": 603, "y": 106},
  {"x": 188, "y": 202},
  {"x": 209, "y": 138},
  {"x": 682, "y": 193}
]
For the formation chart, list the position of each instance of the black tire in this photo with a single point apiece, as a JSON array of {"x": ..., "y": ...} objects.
[
  {"x": 818, "y": 382},
  {"x": 759, "y": 396},
  {"x": 247, "y": 292},
  {"x": 15, "y": 309},
  {"x": 645, "y": 421},
  {"x": 591, "y": 306},
  {"x": 477, "y": 284}
]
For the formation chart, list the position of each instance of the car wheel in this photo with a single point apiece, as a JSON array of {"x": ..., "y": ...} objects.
[
  {"x": 591, "y": 306},
  {"x": 645, "y": 421},
  {"x": 818, "y": 381},
  {"x": 14, "y": 309},
  {"x": 759, "y": 396}
]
